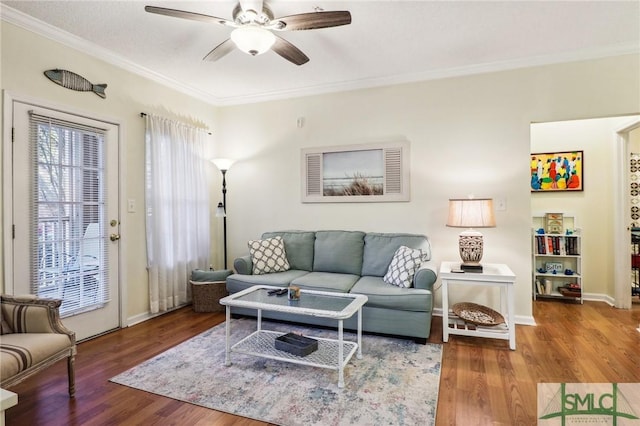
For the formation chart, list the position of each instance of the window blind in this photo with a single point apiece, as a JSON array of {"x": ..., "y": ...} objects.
[{"x": 67, "y": 213}]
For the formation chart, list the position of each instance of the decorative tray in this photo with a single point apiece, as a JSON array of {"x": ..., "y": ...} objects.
[
  {"x": 477, "y": 314},
  {"x": 296, "y": 344}
]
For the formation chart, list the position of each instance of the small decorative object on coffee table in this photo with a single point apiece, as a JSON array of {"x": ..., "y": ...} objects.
[{"x": 294, "y": 293}]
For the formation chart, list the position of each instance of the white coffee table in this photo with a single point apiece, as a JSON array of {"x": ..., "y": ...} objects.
[{"x": 331, "y": 353}]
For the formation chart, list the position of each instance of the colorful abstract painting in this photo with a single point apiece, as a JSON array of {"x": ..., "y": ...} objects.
[{"x": 557, "y": 171}]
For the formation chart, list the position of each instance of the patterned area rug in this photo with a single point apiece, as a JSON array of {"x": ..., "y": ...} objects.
[{"x": 396, "y": 382}]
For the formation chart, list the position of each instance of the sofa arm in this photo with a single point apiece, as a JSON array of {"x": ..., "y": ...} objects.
[
  {"x": 243, "y": 265},
  {"x": 31, "y": 314},
  {"x": 426, "y": 276}
]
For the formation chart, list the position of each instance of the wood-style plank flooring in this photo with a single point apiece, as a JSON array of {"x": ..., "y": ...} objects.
[{"x": 482, "y": 381}]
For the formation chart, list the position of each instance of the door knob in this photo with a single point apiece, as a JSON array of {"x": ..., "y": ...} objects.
[{"x": 114, "y": 237}]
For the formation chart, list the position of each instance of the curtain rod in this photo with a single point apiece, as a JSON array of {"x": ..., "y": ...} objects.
[{"x": 144, "y": 114}]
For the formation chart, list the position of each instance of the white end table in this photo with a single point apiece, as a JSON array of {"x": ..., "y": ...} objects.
[
  {"x": 7, "y": 400},
  {"x": 492, "y": 275}
]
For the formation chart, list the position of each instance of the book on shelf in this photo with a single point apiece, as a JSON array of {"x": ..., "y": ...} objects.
[
  {"x": 572, "y": 245},
  {"x": 565, "y": 245}
]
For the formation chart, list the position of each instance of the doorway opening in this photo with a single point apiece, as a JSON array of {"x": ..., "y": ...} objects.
[{"x": 600, "y": 209}]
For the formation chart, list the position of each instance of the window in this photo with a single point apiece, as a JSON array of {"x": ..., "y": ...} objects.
[{"x": 69, "y": 258}]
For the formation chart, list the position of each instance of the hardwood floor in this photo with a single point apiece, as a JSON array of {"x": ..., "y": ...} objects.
[{"x": 482, "y": 381}]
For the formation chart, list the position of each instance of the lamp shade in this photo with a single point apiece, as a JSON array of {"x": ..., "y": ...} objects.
[
  {"x": 220, "y": 212},
  {"x": 223, "y": 163},
  {"x": 252, "y": 39},
  {"x": 471, "y": 213}
]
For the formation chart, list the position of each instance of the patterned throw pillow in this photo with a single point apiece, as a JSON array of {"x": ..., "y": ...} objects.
[
  {"x": 403, "y": 267},
  {"x": 268, "y": 256}
]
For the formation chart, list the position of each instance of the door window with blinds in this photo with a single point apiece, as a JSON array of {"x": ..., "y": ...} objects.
[
  {"x": 69, "y": 252},
  {"x": 356, "y": 173}
]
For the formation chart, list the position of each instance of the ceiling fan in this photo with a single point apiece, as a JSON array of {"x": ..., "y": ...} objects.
[{"x": 254, "y": 27}]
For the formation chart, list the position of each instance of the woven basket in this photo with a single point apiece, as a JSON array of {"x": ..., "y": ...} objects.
[
  {"x": 206, "y": 295},
  {"x": 477, "y": 314}
]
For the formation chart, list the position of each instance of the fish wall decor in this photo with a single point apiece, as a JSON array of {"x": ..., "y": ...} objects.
[{"x": 73, "y": 81}]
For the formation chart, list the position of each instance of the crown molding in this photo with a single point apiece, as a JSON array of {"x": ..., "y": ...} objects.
[
  {"x": 48, "y": 31},
  {"x": 529, "y": 62}
]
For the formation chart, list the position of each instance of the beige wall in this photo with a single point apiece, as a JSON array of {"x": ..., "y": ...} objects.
[
  {"x": 593, "y": 208},
  {"x": 25, "y": 56},
  {"x": 634, "y": 141},
  {"x": 468, "y": 135}
]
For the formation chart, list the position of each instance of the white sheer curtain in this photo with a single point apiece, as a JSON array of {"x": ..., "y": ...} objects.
[{"x": 177, "y": 208}]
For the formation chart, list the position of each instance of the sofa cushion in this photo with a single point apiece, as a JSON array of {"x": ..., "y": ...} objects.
[
  {"x": 379, "y": 249},
  {"x": 327, "y": 281},
  {"x": 20, "y": 351},
  {"x": 339, "y": 251},
  {"x": 237, "y": 282},
  {"x": 268, "y": 256},
  {"x": 383, "y": 295},
  {"x": 404, "y": 264},
  {"x": 299, "y": 247}
]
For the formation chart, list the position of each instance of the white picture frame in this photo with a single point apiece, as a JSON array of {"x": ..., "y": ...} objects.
[{"x": 363, "y": 173}]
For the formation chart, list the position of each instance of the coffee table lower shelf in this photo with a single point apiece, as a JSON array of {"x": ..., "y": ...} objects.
[{"x": 261, "y": 343}]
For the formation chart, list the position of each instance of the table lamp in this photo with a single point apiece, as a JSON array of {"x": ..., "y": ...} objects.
[{"x": 471, "y": 213}]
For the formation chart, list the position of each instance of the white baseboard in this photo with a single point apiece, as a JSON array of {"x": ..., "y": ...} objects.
[
  {"x": 599, "y": 297},
  {"x": 145, "y": 316}
]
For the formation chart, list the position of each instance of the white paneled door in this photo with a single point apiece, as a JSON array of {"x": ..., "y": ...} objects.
[{"x": 65, "y": 215}]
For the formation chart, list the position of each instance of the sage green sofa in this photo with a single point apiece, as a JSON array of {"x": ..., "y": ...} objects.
[{"x": 350, "y": 262}]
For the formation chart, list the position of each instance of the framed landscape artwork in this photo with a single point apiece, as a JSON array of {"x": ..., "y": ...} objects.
[
  {"x": 373, "y": 172},
  {"x": 557, "y": 171}
]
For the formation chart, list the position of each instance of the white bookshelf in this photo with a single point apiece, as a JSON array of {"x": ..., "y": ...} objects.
[{"x": 556, "y": 260}]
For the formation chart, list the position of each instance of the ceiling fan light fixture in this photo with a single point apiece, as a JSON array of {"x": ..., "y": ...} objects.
[{"x": 252, "y": 39}]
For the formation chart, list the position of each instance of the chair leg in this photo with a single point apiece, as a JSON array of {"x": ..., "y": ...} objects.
[{"x": 72, "y": 375}]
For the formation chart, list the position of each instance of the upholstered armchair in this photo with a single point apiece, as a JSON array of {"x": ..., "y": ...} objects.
[{"x": 33, "y": 338}]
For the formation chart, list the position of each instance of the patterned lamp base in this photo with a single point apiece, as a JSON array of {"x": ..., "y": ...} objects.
[{"x": 471, "y": 246}]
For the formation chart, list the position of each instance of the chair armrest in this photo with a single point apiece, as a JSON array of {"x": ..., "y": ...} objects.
[
  {"x": 426, "y": 275},
  {"x": 243, "y": 265},
  {"x": 31, "y": 314}
]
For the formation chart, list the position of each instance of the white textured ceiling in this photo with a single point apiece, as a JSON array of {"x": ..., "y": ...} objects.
[{"x": 388, "y": 41}]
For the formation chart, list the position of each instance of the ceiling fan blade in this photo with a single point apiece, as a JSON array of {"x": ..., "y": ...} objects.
[
  {"x": 288, "y": 51},
  {"x": 312, "y": 21},
  {"x": 220, "y": 50},
  {"x": 189, "y": 15}
]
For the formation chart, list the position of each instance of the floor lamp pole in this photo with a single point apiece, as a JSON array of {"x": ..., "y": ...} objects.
[{"x": 224, "y": 218}]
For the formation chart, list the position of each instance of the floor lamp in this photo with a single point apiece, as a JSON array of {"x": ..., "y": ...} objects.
[{"x": 223, "y": 164}]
